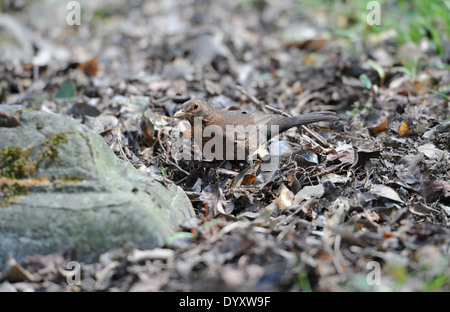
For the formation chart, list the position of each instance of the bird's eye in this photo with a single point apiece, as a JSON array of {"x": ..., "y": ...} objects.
[{"x": 195, "y": 106}]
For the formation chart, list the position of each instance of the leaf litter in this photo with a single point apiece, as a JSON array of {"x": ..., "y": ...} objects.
[{"x": 372, "y": 186}]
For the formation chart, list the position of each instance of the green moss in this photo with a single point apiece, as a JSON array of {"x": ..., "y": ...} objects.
[
  {"x": 18, "y": 170},
  {"x": 9, "y": 189},
  {"x": 50, "y": 150},
  {"x": 15, "y": 163},
  {"x": 69, "y": 178}
]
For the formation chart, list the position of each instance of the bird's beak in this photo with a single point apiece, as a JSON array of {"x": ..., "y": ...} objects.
[{"x": 179, "y": 114}]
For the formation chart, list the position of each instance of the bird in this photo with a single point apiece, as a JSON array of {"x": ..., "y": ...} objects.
[{"x": 236, "y": 129}]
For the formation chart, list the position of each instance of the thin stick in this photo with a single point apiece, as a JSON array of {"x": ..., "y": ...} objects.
[
  {"x": 316, "y": 136},
  {"x": 278, "y": 111},
  {"x": 167, "y": 159},
  {"x": 250, "y": 96}
]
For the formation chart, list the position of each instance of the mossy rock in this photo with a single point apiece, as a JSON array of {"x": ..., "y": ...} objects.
[{"x": 64, "y": 186}]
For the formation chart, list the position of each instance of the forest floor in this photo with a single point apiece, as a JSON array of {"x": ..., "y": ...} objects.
[{"x": 362, "y": 204}]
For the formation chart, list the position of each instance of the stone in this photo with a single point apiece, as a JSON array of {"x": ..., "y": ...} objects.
[{"x": 62, "y": 185}]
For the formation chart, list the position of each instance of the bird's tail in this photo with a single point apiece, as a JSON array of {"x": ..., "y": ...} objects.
[{"x": 304, "y": 119}]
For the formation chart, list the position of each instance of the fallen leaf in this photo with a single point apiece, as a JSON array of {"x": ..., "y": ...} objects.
[
  {"x": 90, "y": 68},
  {"x": 403, "y": 130},
  {"x": 84, "y": 109},
  {"x": 432, "y": 190},
  {"x": 147, "y": 127},
  {"x": 285, "y": 199},
  {"x": 431, "y": 151},
  {"x": 16, "y": 273},
  {"x": 380, "y": 128},
  {"x": 346, "y": 156},
  {"x": 214, "y": 201},
  {"x": 67, "y": 90},
  {"x": 366, "y": 81},
  {"x": 8, "y": 121},
  {"x": 421, "y": 209},
  {"x": 385, "y": 192},
  {"x": 308, "y": 192},
  {"x": 310, "y": 44},
  {"x": 246, "y": 176}
]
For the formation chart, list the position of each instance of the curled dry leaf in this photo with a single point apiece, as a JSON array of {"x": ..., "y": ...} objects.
[
  {"x": 365, "y": 153},
  {"x": 286, "y": 198},
  {"x": 214, "y": 201},
  {"x": 403, "y": 130},
  {"x": 380, "y": 128},
  {"x": 147, "y": 127},
  {"x": 345, "y": 156},
  {"x": 246, "y": 176}
]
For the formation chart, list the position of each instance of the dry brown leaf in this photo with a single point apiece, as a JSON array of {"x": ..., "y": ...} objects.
[
  {"x": 90, "y": 68},
  {"x": 286, "y": 198},
  {"x": 246, "y": 176},
  {"x": 147, "y": 127},
  {"x": 380, "y": 128},
  {"x": 8, "y": 121},
  {"x": 413, "y": 87},
  {"x": 310, "y": 44},
  {"x": 403, "y": 130},
  {"x": 249, "y": 179},
  {"x": 346, "y": 156},
  {"x": 16, "y": 273}
]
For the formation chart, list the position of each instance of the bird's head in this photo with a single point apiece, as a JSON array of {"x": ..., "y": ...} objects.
[{"x": 194, "y": 108}]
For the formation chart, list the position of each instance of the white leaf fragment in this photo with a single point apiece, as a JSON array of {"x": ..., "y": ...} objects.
[{"x": 385, "y": 192}]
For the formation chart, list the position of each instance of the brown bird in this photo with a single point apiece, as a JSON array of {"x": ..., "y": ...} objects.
[{"x": 238, "y": 127}]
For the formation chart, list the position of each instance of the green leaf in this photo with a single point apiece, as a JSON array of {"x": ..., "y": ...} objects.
[
  {"x": 179, "y": 235},
  {"x": 366, "y": 81},
  {"x": 377, "y": 67},
  {"x": 67, "y": 90},
  {"x": 436, "y": 283},
  {"x": 445, "y": 96},
  {"x": 208, "y": 224},
  {"x": 401, "y": 69}
]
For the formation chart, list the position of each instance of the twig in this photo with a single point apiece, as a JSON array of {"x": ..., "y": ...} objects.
[
  {"x": 316, "y": 136},
  {"x": 119, "y": 143},
  {"x": 276, "y": 110},
  {"x": 177, "y": 166},
  {"x": 250, "y": 96},
  {"x": 167, "y": 159}
]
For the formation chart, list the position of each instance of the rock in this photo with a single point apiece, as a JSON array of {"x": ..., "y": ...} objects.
[{"x": 62, "y": 185}]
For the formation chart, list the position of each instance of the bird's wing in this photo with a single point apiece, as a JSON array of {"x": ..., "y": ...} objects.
[{"x": 261, "y": 118}]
